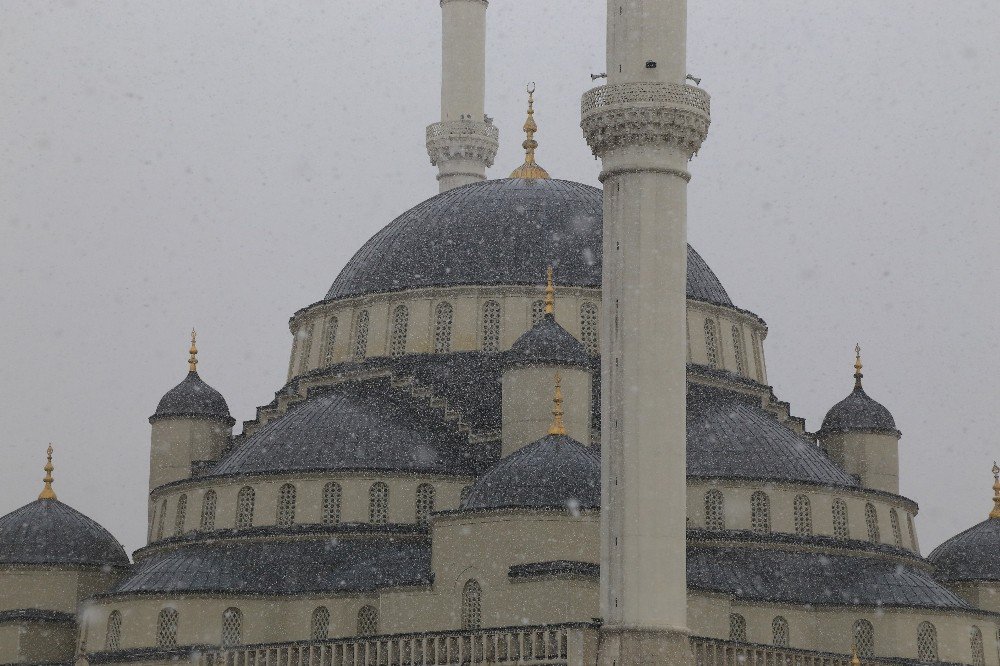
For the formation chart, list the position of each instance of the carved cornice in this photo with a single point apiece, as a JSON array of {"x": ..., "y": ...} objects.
[{"x": 463, "y": 140}]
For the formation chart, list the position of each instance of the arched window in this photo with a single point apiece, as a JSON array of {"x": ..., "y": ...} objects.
[
  {"x": 927, "y": 644},
  {"x": 864, "y": 638},
  {"x": 400, "y": 324},
  {"x": 425, "y": 503},
  {"x": 711, "y": 343},
  {"x": 758, "y": 366},
  {"x": 491, "y": 326},
  {"x": 166, "y": 628},
  {"x": 976, "y": 644},
  {"x": 244, "y": 507},
  {"x": 181, "y": 515},
  {"x": 871, "y": 520},
  {"x": 715, "y": 510},
  {"x": 286, "y": 505},
  {"x": 737, "y": 627},
  {"x": 739, "y": 351},
  {"x": 161, "y": 519},
  {"x": 472, "y": 605},
  {"x": 802, "y": 515},
  {"x": 760, "y": 513},
  {"x": 590, "y": 328},
  {"x": 897, "y": 534},
  {"x": 232, "y": 627},
  {"x": 840, "y": 526},
  {"x": 779, "y": 632},
  {"x": 378, "y": 504},
  {"x": 537, "y": 311},
  {"x": 305, "y": 336},
  {"x": 208, "y": 504},
  {"x": 113, "y": 637},
  {"x": 442, "y": 327},
  {"x": 913, "y": 533},
  {"x": 319, "y": 626},
  {"x": 331, "y": 503},
  {"x": 329, "y": 339},
  {"x": 367, "y": 621},
  {"x": 361, "y": 336}
]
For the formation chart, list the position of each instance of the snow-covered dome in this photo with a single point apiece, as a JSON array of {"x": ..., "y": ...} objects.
[
  {"x": 193, "y": 397},
  {"x": 50, "y": 532}
]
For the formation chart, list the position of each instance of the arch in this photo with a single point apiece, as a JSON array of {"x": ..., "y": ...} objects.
[
  {"x": 208, "y": 506},
  {"x": 244, "y": 507},
  {"x": 286, "y": 505},
  {"x": 329, "y": 339},
  {"x": 361, "y": 336},
  {"x": 181, "y": 515},
  {"x": 425, "y": 503},
  {"x": 590, "y": 327},
  {"x": 378, "y": 503},
  {"x": 737, "y": 627},
  {"x": 472, "y": 605},
  {"x": 758, "y": 365},
  {"x": 161, "y": 519},
  {"x": 305, "y": 335},
  {"x": 443, "y": 315},
  {"x": 113, "y": 636},
  {"x": 232, "y": 627},
  {"x": 927, "y": 642},
  {"x": 913, "y": 532},
  {"x": 537, "y": 311},
  {"x": 976, "y": 646},
  {"x": 166, "y": 628},
  {"x": 712, "y": 343},
  {"x": 779, "y": 632},
  {"x": 491, "y": 326},
  {"x": 802, "y": 515},
  {"x": 760, "y": 513},
  {"x": 864, "y": 638},
  {"x": 841, "y": 528},
  {"x": 897, "y": 534},
  {"x": 739, "y": 350},
  {"x": 332, "y": 494},
  {"x": 319, "y": 625},
  {"x": 368, "y": 621},
  {"x": 715, "y": 510},
  {"x": 871, "y": 520},
  {"x": 400, "y": 324}
]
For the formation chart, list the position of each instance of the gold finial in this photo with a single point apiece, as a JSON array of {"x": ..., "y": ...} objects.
[
  {"x": 530, "y": 168},
  {"x": 550, "y": 294},
  {"x": 558, "y": 428},
  {"x": 857, "y": 366},
  {"x": 995, "y": 513},
  {"x": 47, "y": 492},
  {"x": 193, "y": 359},
  {"x": 854, "y": 655}
]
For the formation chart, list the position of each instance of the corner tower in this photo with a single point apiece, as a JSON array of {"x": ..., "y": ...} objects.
[{"x": 645, "y": 125}]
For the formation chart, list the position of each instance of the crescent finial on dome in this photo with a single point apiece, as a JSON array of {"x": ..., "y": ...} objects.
[
  {"x": 558, "y": 427},
  {"x": 530, "y": 169},
  {"x": 47, "y": 492},
  {"x": 193, "y": 359},
  {"x": 550, "y": 293},
  {"x": 995, "y": 513},
  {"x": 857, "y": 366}
]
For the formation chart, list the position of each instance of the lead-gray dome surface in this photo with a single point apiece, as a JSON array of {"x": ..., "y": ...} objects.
[
  {"x": 498, "y": 232},
  {"x": 50, "y": 532},
  {"x": 971, "y": 555}
]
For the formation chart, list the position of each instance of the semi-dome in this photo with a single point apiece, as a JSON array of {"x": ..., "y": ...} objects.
[
  {"x": 497, "y": 232},
  {"x": 971, "y": 555},
  {"x": 194, "y": 398},
  {"x": 548, "y": 342},
  {"x": 50, "y": 532},
  {"x": 556, "y": 472}
]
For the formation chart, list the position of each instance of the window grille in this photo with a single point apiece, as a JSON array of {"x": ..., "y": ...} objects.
[
  {"x": 181, "y": 515},
  {"x": 711, "y": 343},
  {"x": 738, "y": 350},
  {"x": 737, "y": 627},
  {"x": 166, "y": 628},
  {"x": 425, "y": 503},
  {"x": 378, "y": 504},
  {"x": 927, "y": 643},
  {"x": 871, "y": 520},
  {"x": 162, "y": 518},
  {"x": 232, "y": 627},
  {"x": 779, "y": 632},
  {"x": 802, "y": 515},
  {"x": 976, "y": 640},
  {"x": 537, "y": 311},
  {"x": 864, "y": 638},
  {"x": 897, "y": 534},
  {"x": 361, "y": 336},
  {"x": 331, "y": 503},
  {"x": 400, "y": 324},
  {"x": 244, "y": 507},
  {"x": 840, "y": 525},
  {"x": 319, "y": 628},
  {"x": 760, "y": 513},
  {"x": 208, "y": 505},
  {"x": 472, "y": 605},
  {"x": 305, "y": 335},
  {"x": 590, "y": 328},
  {"x": 329, "y": 339},
  {"x": 442, "y": 327},
  {"x": 715, "y": 510},
  {"x": 113, "y": 637},
  {"x": 758, "y": 365},
  {"x": 491, "y": 326},
  {"x": 367, "y": 621},
  {"x": 286, "y": 505}
]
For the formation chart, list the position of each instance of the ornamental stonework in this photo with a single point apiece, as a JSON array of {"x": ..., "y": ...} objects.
[{"x": 462, "y": 139}]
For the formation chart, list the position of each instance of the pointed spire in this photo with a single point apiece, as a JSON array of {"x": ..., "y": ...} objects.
[
  {"x": 857, "y": 366},
  {"x": 47, "y": 492},
  {"x": 550, "y": 293},
  {"x": 530, "y": 168},
  {"x": 995, "y": 513},
  {"x": 193, "y": 359},
  {"x": 558, "y": 428}
]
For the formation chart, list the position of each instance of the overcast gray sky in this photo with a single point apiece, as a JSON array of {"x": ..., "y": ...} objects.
[{"x": 169, "y": 164}]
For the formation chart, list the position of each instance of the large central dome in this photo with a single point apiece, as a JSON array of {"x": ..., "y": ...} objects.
[{"x": 498, "y": 232}]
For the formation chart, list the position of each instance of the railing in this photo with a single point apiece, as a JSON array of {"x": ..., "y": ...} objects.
[
  {"x": 717, "y": 652},
  {"x": 639, "y": 93}
]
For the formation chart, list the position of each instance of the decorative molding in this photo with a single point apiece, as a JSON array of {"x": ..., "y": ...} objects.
[{"x": 462, "y": 140}]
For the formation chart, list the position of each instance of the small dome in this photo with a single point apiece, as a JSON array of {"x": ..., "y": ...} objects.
[
  {"x": 50, "y": 532},
  {"x": 972, "y": 555},
  {"x": 193, "y": 397},
  {"x": 547, "y": 341},
  {"x": 555, "y": 472},
  {"x": 858, "y": 411}
]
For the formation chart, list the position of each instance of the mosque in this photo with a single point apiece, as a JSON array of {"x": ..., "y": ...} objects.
[{"x": 480, "y": 453}]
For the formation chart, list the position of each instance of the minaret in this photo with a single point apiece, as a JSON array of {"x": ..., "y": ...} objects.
[
  {"x": 465, "y": 142},
  {"x": 645, "y": 125}
]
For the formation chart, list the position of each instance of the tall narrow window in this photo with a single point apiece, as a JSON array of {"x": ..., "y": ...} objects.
[
  {"x": 378, "y": 504},
  {"x": 760, "y": 513},
  {"x": 319, "y": 627},
  {"x": 537, "y": 311},
  {"x": 331, "y": 503},
  {"x": 400, "y": 324},
  {"x": 161, "y": 519},
  {"x": 286, "y": 505},
  {"x": 367, "y": 621},
  {"x": 864, "y": 638},
  {"x": 361, "y": 336},
  {"x": 976, "y": 644},
  {"x": 181, "y": 516},
  {"x": 927, "y": 643},
  {"x": 472, "y": 605},
  {"x": 757, "y": 364},
  {"x": 913, "y": 533},
  {"x": 802, "y": 515},
  {"x": 208, "y": 506},
  {"x": 590, "y": 328},
  {"x": 166, "y": 628},
  {"x": 442, "y": 327},
  {"x": 244, "y": 507},
  {"x": 232, "y": 627},
  {"x": 897, "y": 534},
  {"x": 711, "y": 344},
  {"x": 491, "y": 326},
  {"x": 329, "y": 339},
  {"x": 715, "y": 510},
  {"x": 871, "y": 520},
  {"x": 840, "y": 526},
  {"x": 739, "y": 350},
  {"x": 425, "y": 503},
  {"x": 305, "y": 337},
  {"x": 737, "y": 627},
  {"x": 113, "y": 637},
  {"x": 779, "y": 632}
]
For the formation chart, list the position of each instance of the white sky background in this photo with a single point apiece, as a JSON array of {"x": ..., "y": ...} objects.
[{"x": 169, "y": 164}]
